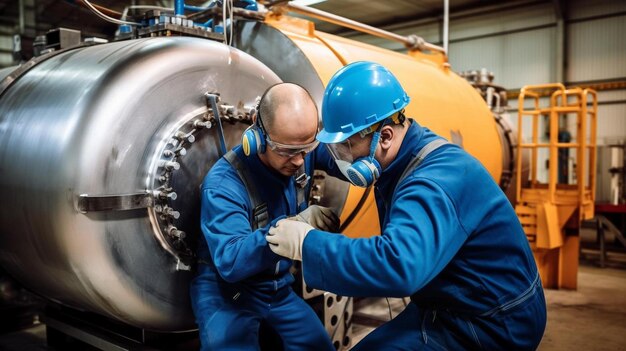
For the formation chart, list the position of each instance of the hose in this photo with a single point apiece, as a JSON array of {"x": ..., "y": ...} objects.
[
  {"x": 227, "y": 13},
  {"x": 102, "y": 9},
  {"x": 105, "y": 17}
]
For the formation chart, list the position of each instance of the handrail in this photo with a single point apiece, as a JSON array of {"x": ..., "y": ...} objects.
[
  {"x": 593, "y": 142},
  {"x": 581, "y": 103}
]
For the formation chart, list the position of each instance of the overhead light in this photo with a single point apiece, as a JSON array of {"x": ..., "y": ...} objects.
[{"x": 307, "y": 2}]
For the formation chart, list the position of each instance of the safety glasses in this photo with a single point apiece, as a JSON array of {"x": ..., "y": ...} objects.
[
  {"x": 289, "y": 151},
  {"x": 341, "y": 151}
]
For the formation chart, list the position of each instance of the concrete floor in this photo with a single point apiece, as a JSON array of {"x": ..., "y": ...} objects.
[{"x": 591, "y": 318}]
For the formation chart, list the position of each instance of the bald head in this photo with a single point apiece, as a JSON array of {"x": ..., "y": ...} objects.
[
  {"x": 289, "y": 116},
  {"x": 288, "y": 106}
]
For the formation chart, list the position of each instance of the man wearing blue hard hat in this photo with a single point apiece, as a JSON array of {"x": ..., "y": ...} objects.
[
  {"x": 450, "y": 238},
  {"x": 241, "y": 284}
]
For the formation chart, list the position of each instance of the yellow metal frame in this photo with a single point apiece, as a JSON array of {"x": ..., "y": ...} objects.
[{"x": 551, "y": 213}]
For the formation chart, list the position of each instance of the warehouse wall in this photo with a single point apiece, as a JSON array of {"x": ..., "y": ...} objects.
[
  {"x": 523, "y": 42},
  {"x": 6, "y": 46}
]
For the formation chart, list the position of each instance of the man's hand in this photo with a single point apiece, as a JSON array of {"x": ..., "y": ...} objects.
[
  {"x": 322, "y": 218},
  {"x": 286, "y": 238}
]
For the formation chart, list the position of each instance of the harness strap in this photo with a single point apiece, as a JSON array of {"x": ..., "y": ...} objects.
[
  {"x": 302, "y": 180},
  {"x": 260, "y": 216},
  {"x": 415, "y": 162},
  {"x": 421, "y": 155}
]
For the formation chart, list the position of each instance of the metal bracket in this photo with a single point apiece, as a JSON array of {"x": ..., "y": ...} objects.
[
  {"x": 87, "y": 203},
  {"x": 212, "y": 100}
]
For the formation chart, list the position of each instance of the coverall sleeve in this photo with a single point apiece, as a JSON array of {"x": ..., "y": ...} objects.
[
  {"x": 422, "y": 236},
  {"x": 237, "y": 252}
]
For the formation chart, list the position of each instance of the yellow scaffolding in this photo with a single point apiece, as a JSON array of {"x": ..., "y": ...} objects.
[{"x": 551, "y": 213}]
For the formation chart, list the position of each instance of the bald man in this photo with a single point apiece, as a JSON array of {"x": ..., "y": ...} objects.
[{"x": 240, "y": 282}]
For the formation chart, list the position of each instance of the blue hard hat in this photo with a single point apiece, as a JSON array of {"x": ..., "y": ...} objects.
[{"x": 358, "y": 96}]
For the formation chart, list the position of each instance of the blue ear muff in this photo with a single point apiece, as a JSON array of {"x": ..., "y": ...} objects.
[
  {"x": 253, "y": 138},
  {"x": 253, "y": 141}
]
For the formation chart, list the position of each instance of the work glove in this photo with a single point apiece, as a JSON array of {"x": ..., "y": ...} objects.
[
  {"x": 286, "y": 238},
  {"x": 322, "y": 218}
]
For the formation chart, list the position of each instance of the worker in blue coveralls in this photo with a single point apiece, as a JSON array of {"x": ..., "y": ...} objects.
[
  {"x": 240, "y": 281},
  {"x": 450, "y": 238}
]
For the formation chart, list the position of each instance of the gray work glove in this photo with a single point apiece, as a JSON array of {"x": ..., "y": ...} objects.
[
  {"x": 286, "y": 238},
  {"x": 322, "y": 218}
]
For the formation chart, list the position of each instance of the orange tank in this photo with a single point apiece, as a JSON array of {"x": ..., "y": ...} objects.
[{"x": 440, "y": 100}]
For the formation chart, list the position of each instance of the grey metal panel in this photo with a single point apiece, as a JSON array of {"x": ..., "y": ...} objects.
[
  {"x": 383, "y": 11},
  {"x": 6, "y": 43},
  {"x": 597, "y": 49},
  {"x": 611, "y": 122},
  {"x": 612, "y": 95},
  {"x": 516, "y": 59},
  {"x": 6, "y": 60},
  {"x": 510, "y": 20},
  {"x": 466, "y": 28},
  {"x": 584, "y": 8}
]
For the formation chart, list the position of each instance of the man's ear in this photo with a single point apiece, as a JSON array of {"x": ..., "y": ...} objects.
[{"x": 387, "y": 134}]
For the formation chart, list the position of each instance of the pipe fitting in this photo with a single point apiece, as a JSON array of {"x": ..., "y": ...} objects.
[{"x": 415, "y": 42}]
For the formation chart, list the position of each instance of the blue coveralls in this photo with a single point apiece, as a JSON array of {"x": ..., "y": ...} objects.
[
  {"x": 240, "y": 281},
  {"x": 450, "y": 240}
]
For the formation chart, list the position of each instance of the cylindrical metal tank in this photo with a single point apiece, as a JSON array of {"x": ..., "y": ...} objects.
[
  {"x": 102, "y": 150},
  {"x": 103, "y": 122}
]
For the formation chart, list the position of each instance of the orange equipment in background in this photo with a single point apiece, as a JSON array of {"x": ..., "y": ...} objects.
[
  {"x": 551, "y": 212},
  {"x": 440, "y": 100},
  {"x": 445, "y": 103}
]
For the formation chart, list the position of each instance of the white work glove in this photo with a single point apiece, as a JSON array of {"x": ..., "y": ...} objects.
[
  {"x": 322, "y": 218},
  {"x": 286, "y": 238}
]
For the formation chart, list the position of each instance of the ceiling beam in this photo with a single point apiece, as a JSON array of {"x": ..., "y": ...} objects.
[{"x": 437, "y": 16}]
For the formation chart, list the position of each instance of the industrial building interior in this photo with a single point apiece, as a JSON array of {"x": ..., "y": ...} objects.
[{"x": 90, "y": 229}]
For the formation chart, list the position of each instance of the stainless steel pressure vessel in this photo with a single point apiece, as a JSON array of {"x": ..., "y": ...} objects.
[{"x": 102, "y": 150}]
